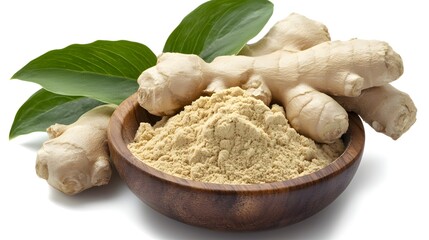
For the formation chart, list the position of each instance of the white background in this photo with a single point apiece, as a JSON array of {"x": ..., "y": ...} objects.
[{"x": 386, "y": 199}]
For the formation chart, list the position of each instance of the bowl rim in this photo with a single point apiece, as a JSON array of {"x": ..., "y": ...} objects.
[{"x": 354, "y": 149}]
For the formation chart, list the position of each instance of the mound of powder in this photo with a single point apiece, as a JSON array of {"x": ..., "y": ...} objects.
[{"x": 231, "y": 138}]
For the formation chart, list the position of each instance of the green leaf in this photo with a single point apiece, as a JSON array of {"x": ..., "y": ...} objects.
[
  {"x": 44, "y": 108},
  {"x": 219, "y": 27},
  {"x": 102, "y": 70}
]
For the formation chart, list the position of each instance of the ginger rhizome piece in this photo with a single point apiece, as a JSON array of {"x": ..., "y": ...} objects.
[
  {"x": 301, "y": 81},
  {"x": 76, "y": 157},
  {"x": 384, "y": 108},
  {"x": 294, "y": 33}
]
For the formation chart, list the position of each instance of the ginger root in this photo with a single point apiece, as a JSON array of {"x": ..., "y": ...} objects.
[
  {"x": 76, "y": 156},
  {"x": 294, "y": 33},
  {"x": 384, "y": 108},
  {"x": 300, "y": 81}
]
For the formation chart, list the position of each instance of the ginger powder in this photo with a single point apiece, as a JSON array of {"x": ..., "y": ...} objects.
[{"x": 231, "y": 138}]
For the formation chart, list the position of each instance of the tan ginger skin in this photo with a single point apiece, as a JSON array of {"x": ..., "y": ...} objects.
[
  {"x": 76, "y": 157},
  {"x": 300, "y": 81},
  {"x": 384, "y": 108}
]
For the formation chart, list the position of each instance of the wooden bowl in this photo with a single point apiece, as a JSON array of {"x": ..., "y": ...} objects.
[{"x": 229, "y": 207}]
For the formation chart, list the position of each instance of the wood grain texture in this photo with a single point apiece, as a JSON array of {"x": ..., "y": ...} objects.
[{"x": 230, "y": 207}]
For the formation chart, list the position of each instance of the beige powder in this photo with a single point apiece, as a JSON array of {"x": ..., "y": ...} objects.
[{"x": 231, "y": 138}]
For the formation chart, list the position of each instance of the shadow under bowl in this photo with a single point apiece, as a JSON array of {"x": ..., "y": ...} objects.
[{"x": 230, "y": 207}]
